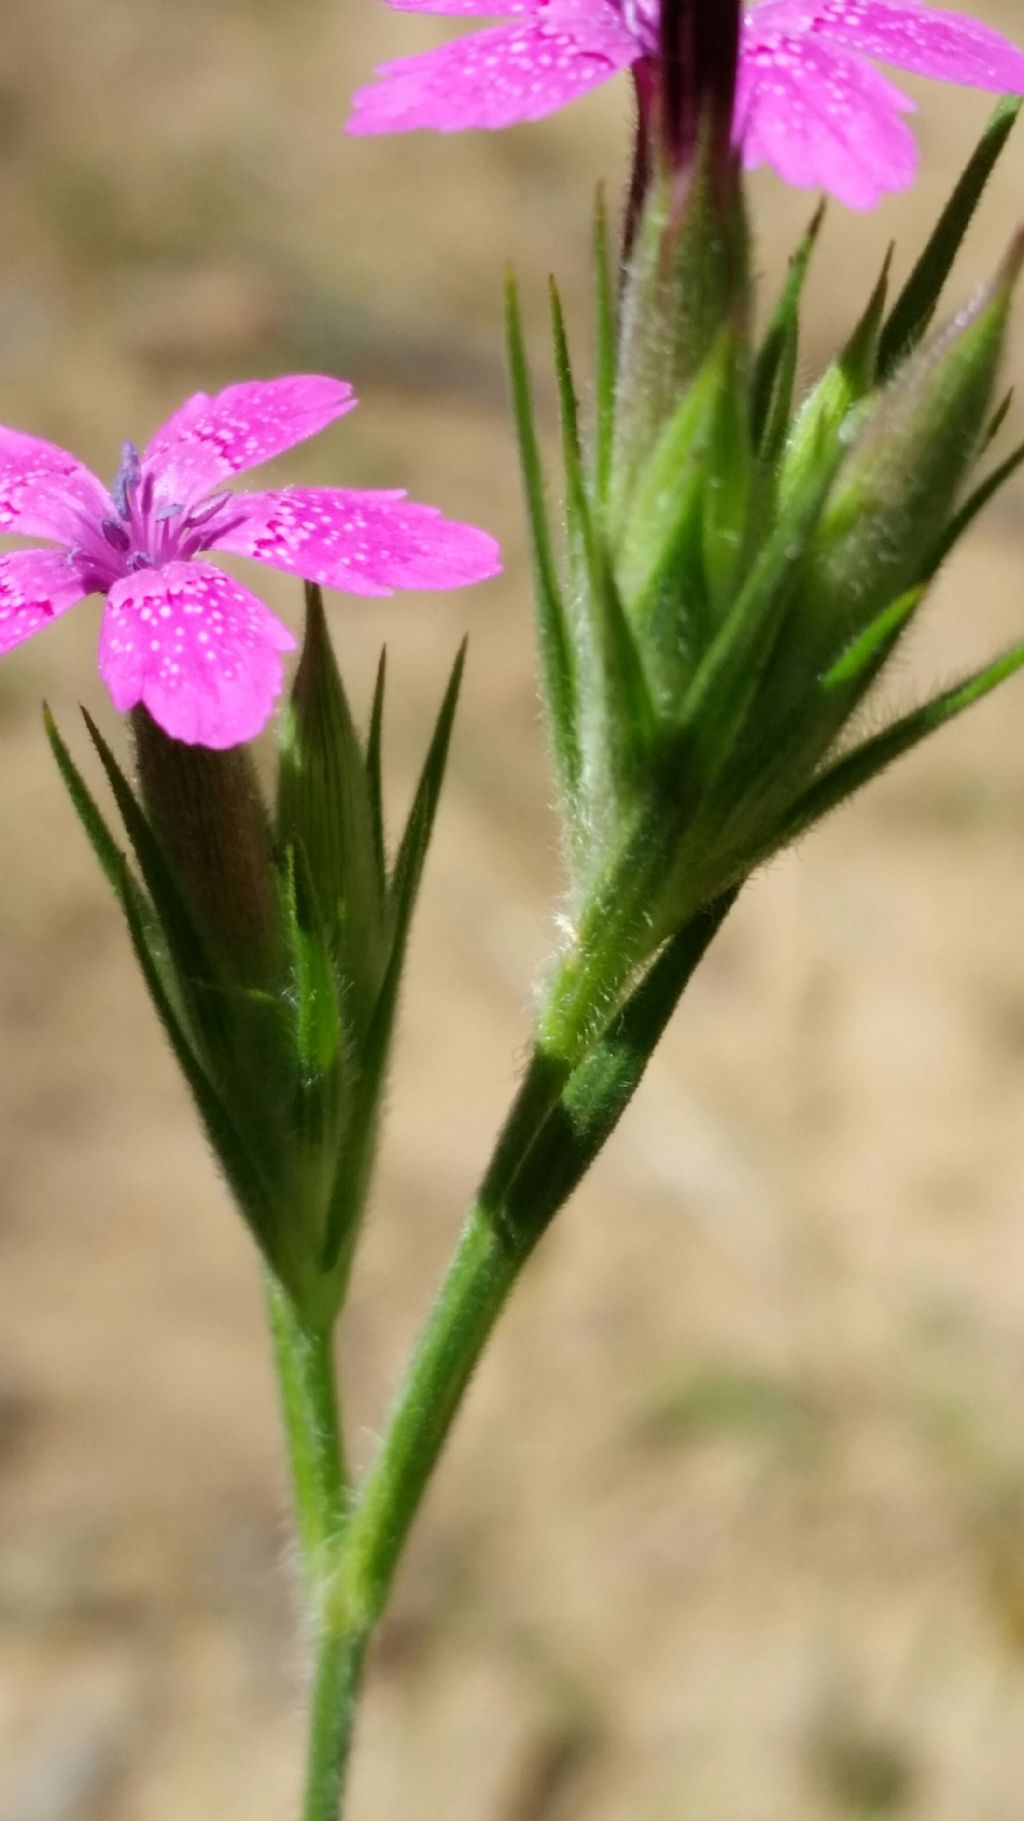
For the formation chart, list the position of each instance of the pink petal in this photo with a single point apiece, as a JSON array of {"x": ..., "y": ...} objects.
[
  {"x": 468, "y": 9},
  {"x": 824, "y": 120},
  {"x": 360, "y": 543},
  {"x": 36, "y": 587},
  {"x": 495, "y": 78},
  {"x": 209, "y": 439},
  {"x": 197, "y": 649},
  {"x": 926, "y": 40},
  {"x": 44, "y": 491}
]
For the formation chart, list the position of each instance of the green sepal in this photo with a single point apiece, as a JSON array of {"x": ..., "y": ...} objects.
[
  {"x": 557, "y": 661},
  {"x": 774, "y": 373},
  {"x": 913, "y": 310},
  {"x": 686, "y": 277}
]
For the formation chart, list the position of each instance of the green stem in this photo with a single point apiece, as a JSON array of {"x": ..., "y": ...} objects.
[
  {"x": 482, "y": 1272},
  {"x": 336, "y": 1682},
  {"x": 541, "y": 1155},
  {"x": 303, "y": 1356}
]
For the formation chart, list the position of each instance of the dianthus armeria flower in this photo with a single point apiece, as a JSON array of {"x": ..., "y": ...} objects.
[
  {"x": 810, "y": 101},
  {"x": 181, "y": 638}
]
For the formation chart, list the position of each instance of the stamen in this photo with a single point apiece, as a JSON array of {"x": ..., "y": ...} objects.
[
  {"x": 126, "y": 479},
  {"x": 139, "y": 560},
  {"x": 115, "y": 534}
]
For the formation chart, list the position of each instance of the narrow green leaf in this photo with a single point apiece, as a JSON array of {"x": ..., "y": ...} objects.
[
  {"x": 998, "y": 419},
  {"x": 194, "y": 970},
  {"x": 325, "y": 809},
  {"x": 775, "y": 367},
  {"x": 874, "y": 644},
  {"x": 374, "y": 741},
  {"x": 317, "y": 1022},
  {"x": 666, "y": 499},
  {"x": 100, "y": 839},
  {"x": 716, "y": 702},
  {"x": 557, "y": 659},
  {"x": 237, "y": 1159},
  {"x": 975, "y": 503},
  {"x": 628, "y": 710},
  {"x": 375, "y": 1044},
  {"x": 602, "y": 1086},
  {"x": 914, "y": 308},
  {"x": 841, "y": 388},
  {"x": 412, "y": 852},
  {"x": 850, "y": 773},
  {"x": 604, "y": 295}
]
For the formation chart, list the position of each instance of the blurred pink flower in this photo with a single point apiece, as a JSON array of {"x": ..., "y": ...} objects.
[
  {"x": 190, "y": 643},
  {"x": 809, "y": 101}
]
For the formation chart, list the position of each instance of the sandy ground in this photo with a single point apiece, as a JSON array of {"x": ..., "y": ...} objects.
[{"x": 732, "y": 1528}]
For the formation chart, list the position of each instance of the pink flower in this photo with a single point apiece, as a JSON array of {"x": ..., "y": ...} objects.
[
  {"x": 809, "y": 101},
  {"x": 190, "y": 643}
]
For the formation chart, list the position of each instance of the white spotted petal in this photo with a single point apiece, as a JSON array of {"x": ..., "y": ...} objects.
[
  {"x": 36, "y": 587},
  {"x": 209, "y": 439},
  {"x": 196, "y": 649},
  {"x": 368, "y": 542}
]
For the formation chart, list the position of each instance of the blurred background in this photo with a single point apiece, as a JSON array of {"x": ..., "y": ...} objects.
[{"x": 732, "y": 1527}]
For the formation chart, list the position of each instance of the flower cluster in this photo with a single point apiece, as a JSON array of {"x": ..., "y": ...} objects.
[
  {"x": 189, "y": 643},
  {"x": 809, "y": 103}
]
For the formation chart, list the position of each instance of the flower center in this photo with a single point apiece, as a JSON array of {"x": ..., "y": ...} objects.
[{"x": 140, "y": 534}]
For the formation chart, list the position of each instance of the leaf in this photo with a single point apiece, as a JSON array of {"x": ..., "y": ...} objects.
[
  {"x": 317, "y": 1021},
  {"x": 975, "y": 503},
  {"x": 412, "y": 852},
  {"x": 100, "y": 839},
  {"x": 374, "y": 1049},
  {"x": 325, "y": 810},
  {"x": 237, "y": 1159},
  {"x": 850, "y": 773},
  {"x": 601, "y": 1087},
  {"x": 557, "y": 660},
  {"x": 627, "y": 718},
  {"x": 914, "y": 308},
  {"x": 996, "y": 422},
  {"x": 374, "y": 740},
  {"x": 843, "y": 386},
  {"x": 194, "y": 971},
  {"x": 666, "y": 499},
  {"x": 870, "y": 649},
  {"x": 775, "y": 367},
  {"x": 605, "y": 356},
  {"x": 715, "y": 704}
]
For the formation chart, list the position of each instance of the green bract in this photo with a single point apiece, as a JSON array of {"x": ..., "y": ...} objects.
[
  {"x": 273, "y": 950},
  {"x": 738, "y": 568}
]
